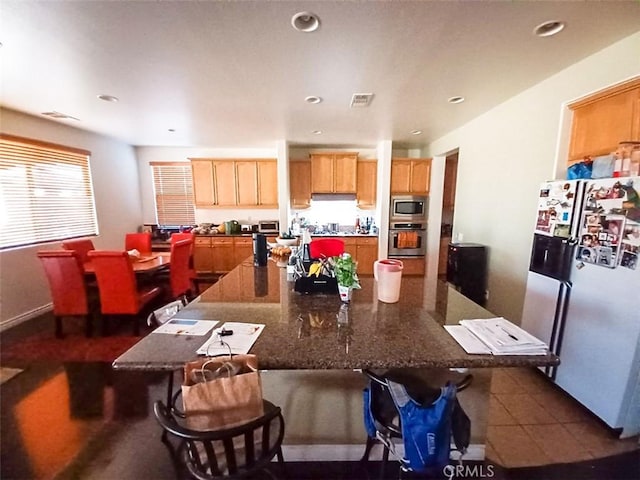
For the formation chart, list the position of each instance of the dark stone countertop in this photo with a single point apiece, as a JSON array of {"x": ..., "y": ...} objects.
[{"x": 302, "y": 331}]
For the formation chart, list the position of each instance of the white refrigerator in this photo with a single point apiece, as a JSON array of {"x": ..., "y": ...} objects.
[{"x": 583, "y": 299}]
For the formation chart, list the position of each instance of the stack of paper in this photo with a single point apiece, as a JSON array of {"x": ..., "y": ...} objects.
[
  {"x": 240, "y": 341},
  {"x": 497, "y": 336}
]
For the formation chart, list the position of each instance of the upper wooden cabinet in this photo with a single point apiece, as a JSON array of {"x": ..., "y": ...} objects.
[
  {"x": 203, "y": 189},
  {"x": 235, "y": 183},
  {"x": 300, "y": 183},
  {"x": 604, "y": 120},
  {"x": 410, "y": 175},
  {"x": 367, "y": 183},
  {"x": 333, "y": 172}
]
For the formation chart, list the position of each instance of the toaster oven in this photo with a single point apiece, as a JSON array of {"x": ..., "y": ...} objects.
[{"x": 269, "y": 226}]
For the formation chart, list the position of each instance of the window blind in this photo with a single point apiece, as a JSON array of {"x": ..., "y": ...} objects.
[
  {"x": 173, "y": 186},
  {"x": 45, "y": 193}
]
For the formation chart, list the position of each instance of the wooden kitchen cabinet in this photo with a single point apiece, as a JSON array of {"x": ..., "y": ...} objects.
[
  {"x": 246, "y": 176},
  {"x": 246, "y": 183},
  {"x": 410, "y": 176},
  {"x": 224, "y": 179},
  {"x": 333, "y": 172},
  {"x": 204, "y": 194},
  {"x": 602, "y": 121},
  {"x": 413, "y": 266},
  {"x": 300, "y": 183},
  {"x": 242, "y": 249},
  {"x": 366, "y": 254},
  {"x": 222, "y": 254},
  {"x": 366, "y": 184},
  {"x": 202, "y": 255},
  {"x": 267, "y": 183}
]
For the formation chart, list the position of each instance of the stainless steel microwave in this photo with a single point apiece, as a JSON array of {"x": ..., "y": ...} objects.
[
  {"x": 269, "y": 226},
  {"x": 409, "y": 208}
]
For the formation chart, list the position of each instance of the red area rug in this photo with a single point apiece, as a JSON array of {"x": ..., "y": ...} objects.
[{"x": 72, "y": 348}]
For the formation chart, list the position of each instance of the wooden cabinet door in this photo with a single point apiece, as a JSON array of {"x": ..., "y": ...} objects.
[
  {"x": 321, "y": 173},
  {"x": 247, "y": 181},
  {"x": 300, "y": 183},
  {"x": 599, "y": 125},
  {"x": 345, "y": 173},
  {"x": 222, "y": 254},
  {"x": 242, "y": 249},
  {"x": 400, "y": 176},
  {"x": 268, "y": 183},
  {"x": 420, "y": 176},
  {"x": 367, "y": 254},
  {"x": 203, "y": 186},
  {"x": 412, "y": 176},
  {"x": 366, "y": 184},
  {"x": 225, "y": 181},
  {"x": 202, "y": 255}
]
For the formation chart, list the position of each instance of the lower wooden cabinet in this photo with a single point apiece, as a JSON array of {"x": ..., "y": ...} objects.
[
  {"x": 413, "y": 266},
  {"x": 220, "y": 254}
]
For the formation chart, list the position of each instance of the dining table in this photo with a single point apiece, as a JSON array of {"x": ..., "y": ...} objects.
[{"x": 144, "y": 264}]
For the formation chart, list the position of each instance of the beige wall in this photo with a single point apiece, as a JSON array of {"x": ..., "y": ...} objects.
[
  {"x": 23, "y": 288},
  {"x": 506, "y": 153}
]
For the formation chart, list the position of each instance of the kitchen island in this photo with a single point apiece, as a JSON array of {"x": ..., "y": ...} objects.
[
  {"x": 303, "y": 331},
  {"x": 310, "y": 362}
]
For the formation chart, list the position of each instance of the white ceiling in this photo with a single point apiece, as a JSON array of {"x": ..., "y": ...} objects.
[{"x": 235, "y": 74}]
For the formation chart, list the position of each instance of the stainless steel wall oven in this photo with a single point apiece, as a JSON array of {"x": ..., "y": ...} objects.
[{"x": 407, "y": 239}]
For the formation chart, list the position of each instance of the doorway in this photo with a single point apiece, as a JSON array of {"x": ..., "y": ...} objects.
[{"x": 448, "y": 210}]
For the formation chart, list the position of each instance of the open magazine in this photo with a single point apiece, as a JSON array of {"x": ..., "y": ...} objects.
[{"x": 496, "y": 336}]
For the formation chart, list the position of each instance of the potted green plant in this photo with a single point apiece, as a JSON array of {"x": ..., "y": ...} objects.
[{"x": 346, "y": 275}]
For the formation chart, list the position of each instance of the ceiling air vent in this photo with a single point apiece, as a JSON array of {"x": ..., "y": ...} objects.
[
  {"x": 361, "y": 99},
  {"x": 63, "y": 116}
]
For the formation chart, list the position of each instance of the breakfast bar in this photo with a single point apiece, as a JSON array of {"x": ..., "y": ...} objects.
[{"x": 303, "y": 331}]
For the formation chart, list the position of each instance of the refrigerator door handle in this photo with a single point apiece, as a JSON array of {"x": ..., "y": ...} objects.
[{"x": 559, "y": 320}]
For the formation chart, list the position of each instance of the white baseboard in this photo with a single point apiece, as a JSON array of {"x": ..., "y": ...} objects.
[
  {"x": 12, "y": 322},
  {"x": 353, "y": 453}
]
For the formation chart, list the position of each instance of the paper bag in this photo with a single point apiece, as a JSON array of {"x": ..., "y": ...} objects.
[{"x": 222, "y": 392}]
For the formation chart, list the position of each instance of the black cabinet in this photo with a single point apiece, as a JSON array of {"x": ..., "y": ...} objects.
[{"x": 467, "y": 270}]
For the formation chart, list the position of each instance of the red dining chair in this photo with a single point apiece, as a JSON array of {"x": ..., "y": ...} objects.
[
  {"x": 138, "y": 241},
  {"x": 65, "y": 275},
  {"x": 180, "y": 271},
  {"x": 80, "y": 245},
  {"x": 326, "y": 247},
  {"x": 117, "y": 284},
  {"x": 176, "y": 237}
]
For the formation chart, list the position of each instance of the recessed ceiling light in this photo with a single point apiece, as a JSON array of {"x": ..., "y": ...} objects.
[
  {"x": 305, "y": 22},
  {"x": 108, "y": 98},
  {"x": 456, "y": 99},
  {"x": 313, "y": 99},
  {"x": 548, "y": 29},
  {"x": 416, "y": 132},
  {"x": 317, "y": 132}
]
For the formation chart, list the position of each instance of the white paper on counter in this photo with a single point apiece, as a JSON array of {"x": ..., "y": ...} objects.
[
  {"x": 243, "y": 338},
  {"x": 467, "y": 340},
  {"x": 186, "y": 326}
]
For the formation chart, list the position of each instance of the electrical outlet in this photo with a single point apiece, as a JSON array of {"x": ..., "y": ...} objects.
[{"x": 486, "y": 294}]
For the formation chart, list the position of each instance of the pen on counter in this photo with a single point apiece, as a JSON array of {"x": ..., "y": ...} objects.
[{"x": 512, "y": 336}]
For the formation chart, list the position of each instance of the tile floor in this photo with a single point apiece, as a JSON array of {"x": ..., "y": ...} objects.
[{"x": 533, "y": 422}]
